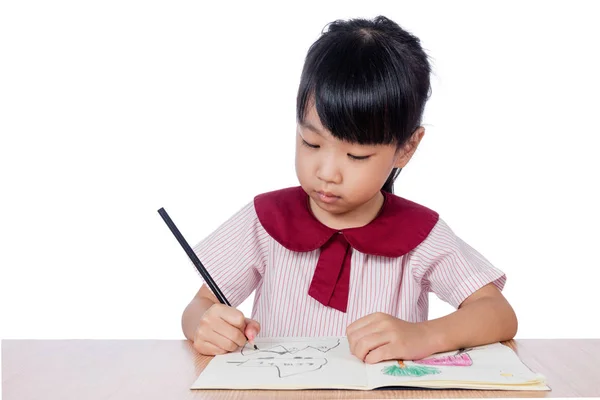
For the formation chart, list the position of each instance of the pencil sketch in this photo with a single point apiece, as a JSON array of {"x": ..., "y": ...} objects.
[
  {"x": 291, "y": 348},
  {"x": 285, "y": 366}
]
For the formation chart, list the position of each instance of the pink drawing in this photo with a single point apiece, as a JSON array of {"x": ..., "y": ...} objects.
[{"x": 459, "y": 360}]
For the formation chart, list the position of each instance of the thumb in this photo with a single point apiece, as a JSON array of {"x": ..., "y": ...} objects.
[{"x": 252, "y": 329}]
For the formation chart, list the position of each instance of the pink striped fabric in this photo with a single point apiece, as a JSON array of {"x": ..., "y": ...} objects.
[{"x": 241, "y": 257}]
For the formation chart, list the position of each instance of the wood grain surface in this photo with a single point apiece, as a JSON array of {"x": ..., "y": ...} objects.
[{"x": 165, "y": 369}]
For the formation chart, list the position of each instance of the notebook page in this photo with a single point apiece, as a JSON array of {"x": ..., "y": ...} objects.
[
  {"x": 286, "y": 363},
  {"x": 493, "y": 366}
]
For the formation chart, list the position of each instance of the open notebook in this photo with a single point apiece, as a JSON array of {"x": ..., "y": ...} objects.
[{"x": 326, "y": 363}]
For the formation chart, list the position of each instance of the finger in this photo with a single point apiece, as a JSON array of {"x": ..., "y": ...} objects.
[
  {"x": 233, "y": 317},
  {"x": 230, "y": 332},
  {"x": 378, "y": 324},
  {"x": 207, "y": 348},
  {"x": 213, "y": 336},
  {"x": 355, "y": 337},
  {"x": 380, "y": 354},
  {"x": 252, "y": 329},
  {"x": 369, "y": 343},
  {"x": 362, "y": 322}
]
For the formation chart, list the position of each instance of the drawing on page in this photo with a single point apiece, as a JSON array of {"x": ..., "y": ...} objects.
[
  {"x": 460, "y": 360},
  {"x": 424, "y": 366},
  {"x": 291, "y": 348},
  {"x": 285, "y": 366},
  {"x": 409, "y": 370}
]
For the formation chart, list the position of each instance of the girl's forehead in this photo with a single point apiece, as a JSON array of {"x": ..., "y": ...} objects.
[
  {"x": 312, "y": 123},
  {"x": 306, "y": 128},
  {"x": 312, "y": 120}
]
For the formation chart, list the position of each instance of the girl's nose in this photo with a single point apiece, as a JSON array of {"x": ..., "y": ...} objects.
[{"x": 329, "y": 171}]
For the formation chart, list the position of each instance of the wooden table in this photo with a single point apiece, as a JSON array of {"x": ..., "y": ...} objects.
[{"x": 165, "y": 369}]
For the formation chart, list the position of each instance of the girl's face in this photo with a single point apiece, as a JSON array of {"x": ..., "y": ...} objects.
[{"x": 344, "y": 180}]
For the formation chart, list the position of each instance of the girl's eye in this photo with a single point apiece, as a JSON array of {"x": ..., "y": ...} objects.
[
  {"x": 358, "y": 157},
  {"x": 312, "y": 146}
]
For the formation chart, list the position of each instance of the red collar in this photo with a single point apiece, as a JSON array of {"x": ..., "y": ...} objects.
[{"x": 400, "y": 227}]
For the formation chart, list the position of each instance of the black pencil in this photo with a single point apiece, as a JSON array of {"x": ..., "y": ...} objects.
[{"x": 207, "y": 278}]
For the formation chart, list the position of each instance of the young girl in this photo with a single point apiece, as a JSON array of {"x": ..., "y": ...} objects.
[{"x": 340, "y": 254}]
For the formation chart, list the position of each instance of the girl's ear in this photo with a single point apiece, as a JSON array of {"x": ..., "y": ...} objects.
[{"x": 407, "y": 150}]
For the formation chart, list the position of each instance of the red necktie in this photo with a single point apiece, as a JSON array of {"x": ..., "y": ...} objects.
[{"x": 331, "y": 280}]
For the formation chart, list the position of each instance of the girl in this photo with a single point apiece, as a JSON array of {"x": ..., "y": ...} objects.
[{"x": 340, "y": 254}]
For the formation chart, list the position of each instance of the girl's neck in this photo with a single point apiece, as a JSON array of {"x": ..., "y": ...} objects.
[{"x": 355, "y": 218}]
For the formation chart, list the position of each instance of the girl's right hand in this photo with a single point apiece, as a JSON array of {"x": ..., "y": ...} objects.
[{"x": 222, "y": 329}]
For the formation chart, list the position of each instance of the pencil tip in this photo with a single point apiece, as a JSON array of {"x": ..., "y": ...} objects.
[{"x": 255, "y": 348}]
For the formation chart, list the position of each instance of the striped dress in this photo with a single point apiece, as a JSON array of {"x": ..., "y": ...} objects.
[{"x": 243, "y": 257}]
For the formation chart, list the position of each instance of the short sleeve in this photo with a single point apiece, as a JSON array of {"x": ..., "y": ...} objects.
[
  {"x": 447, "y": 266},
  {"x": 235, "y": 254}
]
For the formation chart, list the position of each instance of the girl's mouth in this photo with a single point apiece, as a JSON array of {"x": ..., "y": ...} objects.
[{"x": 327, "y": 197}]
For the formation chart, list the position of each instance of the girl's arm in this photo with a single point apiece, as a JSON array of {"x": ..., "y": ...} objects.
[
  {"x": 484, "y": 317},
  {"x": 194, "y": 311}
]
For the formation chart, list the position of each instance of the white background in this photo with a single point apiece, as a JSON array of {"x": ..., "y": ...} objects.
[{"x": 110, "y": 110}]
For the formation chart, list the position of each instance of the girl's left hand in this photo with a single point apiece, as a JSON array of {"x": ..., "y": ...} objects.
[{"x": 378, "y": 337}]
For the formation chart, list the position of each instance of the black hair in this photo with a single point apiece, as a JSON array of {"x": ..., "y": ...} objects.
[{"x": 369, "y": 81}]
